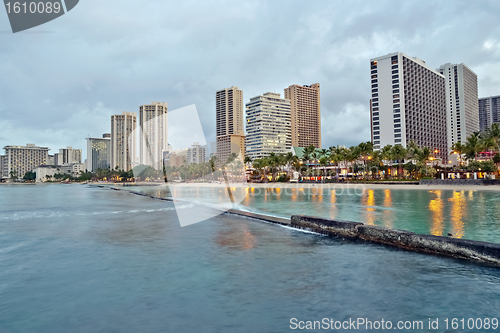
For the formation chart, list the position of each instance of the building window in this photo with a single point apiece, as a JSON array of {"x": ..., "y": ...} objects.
[
  {"x": 397, "y": 125},
  {"x": 397, "y": 140},
  {"x": 375, "y": 113},
  {"x": 376, "y": 123},
  {"x": 397, "y": 120},
  {"x": 374, "y": 85},
  {"x": 398, "y": 130},
  {"x": 375, "y": 99},
  {"x": 376, "y": 132},
  {"x": 395, "y": 76},
  {"x": 395, "y": 81},
  {"x": 374, "y": 95},
  {"x": 396, "y": 86},
  {"x": 397, "y": 115},
  {"x": 376, "y": 128},
  {"x": 375, "y": 104},
  {"x": 397, "y": 105},
  {"x": 376, "y": 142},
  {"x": 396, "y": 110},
  {"x": 375, "y": 118},
  {"x": 397, "y": 135},
  {"x": 395, "y": 91}
]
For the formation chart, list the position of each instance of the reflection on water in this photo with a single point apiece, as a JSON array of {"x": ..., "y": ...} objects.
[
  {"x": 236, "y": 236},
  {"x": 436, "y": 207},
  {"x": 388, "y": 214},
  {"x": 369, "y": 200},
  {"x": 333, "y": 207},
  {"x": 458, "y": 212}
]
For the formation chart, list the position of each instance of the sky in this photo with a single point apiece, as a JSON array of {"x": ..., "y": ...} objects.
[{"x": 61, "y": 82}]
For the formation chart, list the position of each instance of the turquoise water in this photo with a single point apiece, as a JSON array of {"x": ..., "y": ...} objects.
[
  {"x": 80, "y": 259},
  {"x": 469, "y": 214}
]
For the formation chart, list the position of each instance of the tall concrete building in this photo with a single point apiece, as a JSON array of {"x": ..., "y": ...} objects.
[
  {"x": 489, "y": 112},
  {"x": 229, "y": 123},
  {"x": 408, "y": 103},
  {"x": 68, "y": 155},
  {"x": 98, "y": 153},
  {"x": 196, "y": 154},
  {"x": 268, "y": 125},
  {"x": 4, "y": 169},
  {"x": 153, "y": 134},
  {"x": 306, "y": 114},
  {"x": 22, "y": 159},
  {"x": 123, "y": 140},
  {"x": 462, "y": 110}
]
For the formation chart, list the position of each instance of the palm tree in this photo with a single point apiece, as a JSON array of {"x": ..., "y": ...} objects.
[
  {"x": 398, "y": 153},
  {"x": 494, "y": 133},
  {"x": 460, "y": 149},
  {"x": 247, "y": 160},
  {"x": 424, "y": 156},
  {"x": 473, "y": 146}
]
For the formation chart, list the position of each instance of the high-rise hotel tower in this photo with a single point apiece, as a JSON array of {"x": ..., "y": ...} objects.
[
  {"x": 489, "y": 112},
  {"x": 153, "y": 136},
  {"x": 462, "y": 108},
  {"x": 268, "y": 125},
  {"x": 408, "y": 103},
  {"x": 229, "y": 123},
  {"x": 306, "y": 114},
  {"x": 123, "y": 140}
]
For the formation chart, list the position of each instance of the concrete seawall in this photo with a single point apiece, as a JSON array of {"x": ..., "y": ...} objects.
[{"x": 452, "y": 247}]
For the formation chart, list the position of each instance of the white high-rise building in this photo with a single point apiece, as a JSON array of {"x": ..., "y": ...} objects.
[
  {"x": 22, "y": 159},
  {"x": 98, "y": 153},
  {"x": 196, "y": 154},
  {"x": 123, "y": 140},
  {"x": 408, "y": 103},
  {"x": 268, "y": 125},
  {"x": 153, "y": 134},
  {"x": 4, "y": 169},
  {"x": 462, "y": 108},
  {"x": 489, "y": 112}
]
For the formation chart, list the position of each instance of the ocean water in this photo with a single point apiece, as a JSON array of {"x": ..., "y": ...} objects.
[
  {"x": 81, "y": 259},
  {"x": 469, "y": 214}
]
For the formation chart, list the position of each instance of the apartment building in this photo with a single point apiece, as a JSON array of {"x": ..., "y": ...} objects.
[
  {"x": 153, "y": 134},
  {"x": 408, "y": 103},
  {"x": 229, "y": 123},
  {"x": 196, "y": 154},
  {"x": 22, "y": 159},
  {"x": 462, "y": 109},
  {"x": 123, "y": 140},
  {"x": 98, "y": 153},
  {"x": 489, "y": 112},
  {"x": 305, "y": 114},
  {"x": 268, "y": 125}
]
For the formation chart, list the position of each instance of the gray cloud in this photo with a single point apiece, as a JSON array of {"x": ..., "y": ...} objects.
[{"x": 111, "y": 56}]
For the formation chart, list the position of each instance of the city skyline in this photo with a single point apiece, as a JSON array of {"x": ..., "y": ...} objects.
[{"x": 62, "y": 109}]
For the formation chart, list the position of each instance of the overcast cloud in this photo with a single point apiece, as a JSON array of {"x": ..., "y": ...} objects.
[{"x": 62, "y": 81}]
